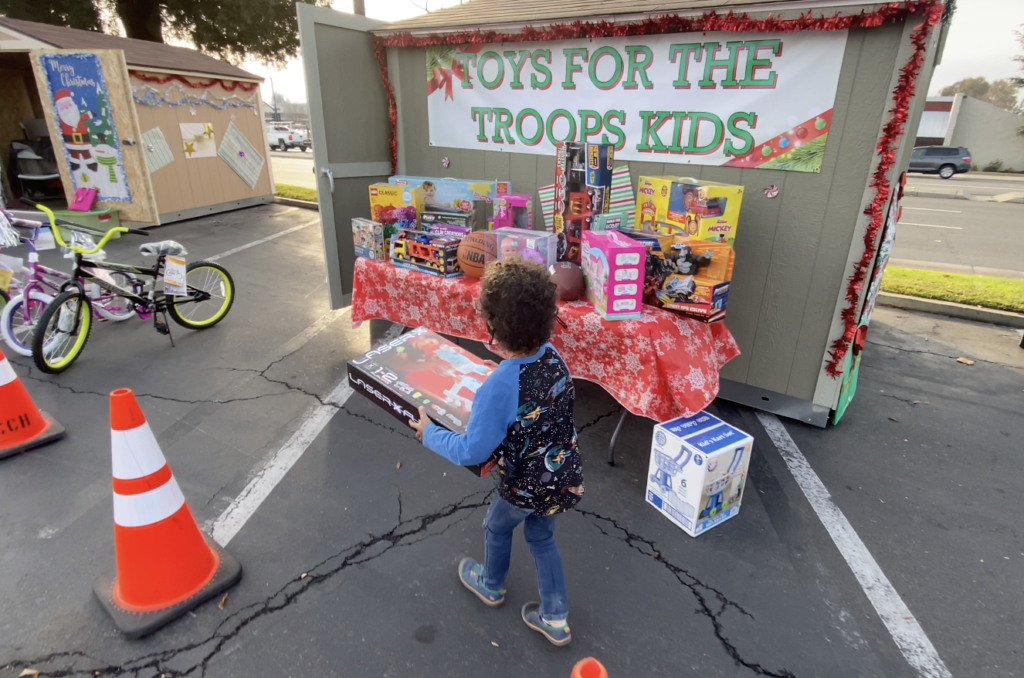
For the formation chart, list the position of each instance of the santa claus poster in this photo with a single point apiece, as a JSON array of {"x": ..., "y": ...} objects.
[{"x": 81, "y": 107}]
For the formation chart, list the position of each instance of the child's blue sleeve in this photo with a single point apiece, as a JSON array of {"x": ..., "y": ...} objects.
[{"x": 494, "y": 410}]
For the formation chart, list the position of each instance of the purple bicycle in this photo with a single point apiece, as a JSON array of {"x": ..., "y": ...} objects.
[{"x": 40, "y": 284}]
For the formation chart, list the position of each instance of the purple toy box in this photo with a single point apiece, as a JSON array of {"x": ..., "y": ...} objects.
[{"x": 613, "y": 266}]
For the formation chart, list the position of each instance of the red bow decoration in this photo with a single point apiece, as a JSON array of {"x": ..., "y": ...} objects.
[{"x": 444, "y": 77}]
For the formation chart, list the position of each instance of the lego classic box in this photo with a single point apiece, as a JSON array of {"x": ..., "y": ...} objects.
[
  {"x": 423, "y": 368},
  {"x": 698, "y": 471}
]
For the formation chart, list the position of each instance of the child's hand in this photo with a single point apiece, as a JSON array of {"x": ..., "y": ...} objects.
[{"x": 421, "y": 425}]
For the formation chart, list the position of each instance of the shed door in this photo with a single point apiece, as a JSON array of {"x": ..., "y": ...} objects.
[
  {"x": 87, "y": 102},
  {"x": 348, "y": 110}
]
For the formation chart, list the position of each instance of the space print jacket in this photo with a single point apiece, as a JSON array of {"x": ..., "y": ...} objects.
[{"x": 524, "y": 410}]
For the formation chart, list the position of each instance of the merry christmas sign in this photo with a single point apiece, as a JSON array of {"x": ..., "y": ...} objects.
[
  {"x": 736, "y": 99},
  {"x": 81, "y": 107}
]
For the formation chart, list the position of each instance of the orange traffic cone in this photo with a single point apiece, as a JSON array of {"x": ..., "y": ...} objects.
[
  {"x": 22, "y": 425},
  {"x": 165, "y": 565},
  {"x": 589, "y": 668}
]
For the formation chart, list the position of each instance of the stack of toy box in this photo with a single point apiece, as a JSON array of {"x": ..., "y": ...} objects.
[
  {"x": 705, "y": 210},
  {"x": 423, "y": 368},
  {"x": 698, "y": 471},
  {"x": 613, "y": 267},
  {"x": 583, "y": 179}
]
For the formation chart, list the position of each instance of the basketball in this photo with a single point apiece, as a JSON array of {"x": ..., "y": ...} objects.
[
  {"x": 476, "y": 250},
  {"x": 568, "y": 277}
]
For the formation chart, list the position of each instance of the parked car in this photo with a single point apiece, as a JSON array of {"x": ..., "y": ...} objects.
[
  {"x": 942, "y": 160},
  {"x": 282, "y": 138}
]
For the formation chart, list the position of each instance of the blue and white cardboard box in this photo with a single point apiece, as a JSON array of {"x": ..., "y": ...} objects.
[{"x": 698, "y": 471}]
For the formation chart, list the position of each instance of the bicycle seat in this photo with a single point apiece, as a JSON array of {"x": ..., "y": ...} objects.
[{"x": 166, "y": 247}]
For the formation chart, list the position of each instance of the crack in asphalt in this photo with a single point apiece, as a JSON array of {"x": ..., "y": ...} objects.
[
  {"x": 939, "y": 355},
  {"x": 368, "y": 420},
  {"x": 908, "y": 401},
  {"x": 696, "y": 587},
  {"x": 617, "y": 410},
  {"x": 155, "y": 664}
]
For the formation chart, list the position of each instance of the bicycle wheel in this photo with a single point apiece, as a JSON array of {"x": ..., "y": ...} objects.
[
  {"x": 211, "y": 293},
  {"x": 61, "y": 332},
  {"x": 19, "y": 318},
  {"x": 113, "y": 308}
]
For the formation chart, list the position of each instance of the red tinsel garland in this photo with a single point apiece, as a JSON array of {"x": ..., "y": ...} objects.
[
  {"x": 893, "y": 12},
  {"x": 229, "y": 85}
]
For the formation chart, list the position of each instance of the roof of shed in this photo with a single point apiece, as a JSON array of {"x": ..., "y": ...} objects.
[
  {"x": 138, "y": 53},
  {"x": 489, "y": 12}
]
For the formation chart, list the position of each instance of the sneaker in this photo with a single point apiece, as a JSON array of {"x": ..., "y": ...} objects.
[
  {"x": 557, "y": 635},
  {"x": 471, "y": 574}
]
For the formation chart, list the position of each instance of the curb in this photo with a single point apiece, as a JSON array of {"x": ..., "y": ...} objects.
[
  {"x": 291, "y": 202},
  {"x": 960, "y": 194},
  {"x": 948, "y": 308}
]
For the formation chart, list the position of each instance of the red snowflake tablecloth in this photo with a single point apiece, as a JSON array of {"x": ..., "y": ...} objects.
[{"x": 661, "y": 366}]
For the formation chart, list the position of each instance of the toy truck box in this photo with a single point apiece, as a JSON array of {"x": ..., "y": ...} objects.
[
  {"x": 613, "y": 267},
  {"x": 536, "y": 246},
  {"x": 698, "y": 471},
  {"x": 454, "y": 195},
  {"x": 690, "y": 276},
  {"x": 514, "y": 210},
  {"x": 447, "y": 223},
  {"x": 368, "y": 239},
  {"x": 705, "y": 210},
  {"x": 426, "y": 252},
  {"x": 395, "y": 207},
  {"x": 423, "y": 368}
]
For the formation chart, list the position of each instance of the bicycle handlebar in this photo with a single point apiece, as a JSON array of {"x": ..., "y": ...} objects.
[{"x": 74, "y": 248}]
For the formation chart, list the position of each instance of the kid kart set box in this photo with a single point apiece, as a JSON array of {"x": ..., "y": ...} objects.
[
  {"x": 583, "y": 181},
  {"x": 698, "y": 470},
  {"x": 423, "y": 368},
  {"x": 705, "y": 210}
]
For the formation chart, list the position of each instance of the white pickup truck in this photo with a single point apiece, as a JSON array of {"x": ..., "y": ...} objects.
[{"x": 281, "y": 138}]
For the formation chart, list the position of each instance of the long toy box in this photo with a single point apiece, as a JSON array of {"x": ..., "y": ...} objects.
[
  {"x": 423, "y": 368},
  {"x": 698, "y": 471}
]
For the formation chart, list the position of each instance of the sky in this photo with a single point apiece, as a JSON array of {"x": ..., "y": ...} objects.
[{"x": 981, "y": 42}]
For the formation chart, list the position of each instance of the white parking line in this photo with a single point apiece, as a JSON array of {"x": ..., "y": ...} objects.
[
  {"x": 952, "y": 228},
  {"x": 908, "y": 634},
  {"x": 929, "y": 209},
  {"x": 259, "y": 488},
  {"x": 246, "y": 246}
]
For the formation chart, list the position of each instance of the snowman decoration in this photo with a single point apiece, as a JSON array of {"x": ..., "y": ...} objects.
[
  {"x": 109, "y": 180},
  {"x": 75, "y": 133}
]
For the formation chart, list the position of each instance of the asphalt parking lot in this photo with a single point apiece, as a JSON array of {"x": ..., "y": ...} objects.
[{"x": 349, "y": 556}]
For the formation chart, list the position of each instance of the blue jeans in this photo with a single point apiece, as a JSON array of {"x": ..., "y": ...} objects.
[{"x": 502, "y": 519}]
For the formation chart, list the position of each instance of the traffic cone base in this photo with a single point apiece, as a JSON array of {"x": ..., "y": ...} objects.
[
  {"x": 135, "y": 624},
  {"x": 22, "y": 425},
  {"x": 52, "y": 431}
]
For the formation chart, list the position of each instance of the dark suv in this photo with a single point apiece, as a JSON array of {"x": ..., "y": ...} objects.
[{"x": 942, "y": 160}]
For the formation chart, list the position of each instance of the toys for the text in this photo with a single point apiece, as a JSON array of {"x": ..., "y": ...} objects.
[
  {"x": 705, "y": 210},
  {"x": 698, "y": 471},
  {"x": 613, "y": 266},
  {"x": 395, "y": 207},
  {"x": 536, "y": 246},
  {"x": 514, "y": 210},
  {"x": 568, "y": 278},
  {"x": 423, "y": 368},
  {"x": 447, "y": 223},
  {"x": 691, "y": 276},
  {"x": 454, "y": 195},
  {"x": 476, "y": 250},
  {"x": 368, "y": 239},
  {"x": 426, "y": 252}
]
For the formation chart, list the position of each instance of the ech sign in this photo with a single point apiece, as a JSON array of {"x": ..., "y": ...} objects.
[{"x": 736, "y": 99}]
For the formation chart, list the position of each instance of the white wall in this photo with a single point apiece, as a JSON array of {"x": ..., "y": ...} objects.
[{"x": 989, "y": 133}]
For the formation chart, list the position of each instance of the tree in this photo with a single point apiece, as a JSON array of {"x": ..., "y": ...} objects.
[
  {"x": 1019, "y": 82},
  {"x": 234, "y": 30},
  {"x": 1001, "y": 93}
]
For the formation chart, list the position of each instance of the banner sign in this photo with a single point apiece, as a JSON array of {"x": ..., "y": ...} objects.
[
  {"x": 734, "y": 99},
  {"x": 81, "y": 107}
]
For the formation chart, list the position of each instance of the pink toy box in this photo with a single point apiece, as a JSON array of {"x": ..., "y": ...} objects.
[
  {"x": 514, "y": 210},
  {"x": 613, "y": 266},
  {"x": 536, "y": 246}
]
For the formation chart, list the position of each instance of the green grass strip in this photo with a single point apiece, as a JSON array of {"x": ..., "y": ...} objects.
[
  {"x": 295, "y": 192},
  {"x": 1005, "y": 294}
]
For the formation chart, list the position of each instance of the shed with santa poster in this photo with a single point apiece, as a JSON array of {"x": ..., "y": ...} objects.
[{"x": 160, "y": 133}]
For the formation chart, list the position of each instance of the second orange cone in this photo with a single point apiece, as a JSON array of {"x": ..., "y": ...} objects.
[
  {"x": 22, "y": 425},
  {"x": 165, "y": 565}
]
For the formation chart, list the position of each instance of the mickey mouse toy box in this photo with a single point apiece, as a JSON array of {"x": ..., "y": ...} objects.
[{"x": 423, "y": 368}]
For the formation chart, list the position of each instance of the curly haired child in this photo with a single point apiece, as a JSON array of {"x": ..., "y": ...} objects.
[{"x": 524, "y": 410}]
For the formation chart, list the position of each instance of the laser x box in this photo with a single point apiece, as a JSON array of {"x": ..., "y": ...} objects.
[
  {"x": 423, "y": 368},
  {"x": 698, "y": 471}
]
